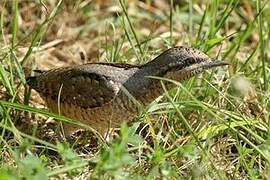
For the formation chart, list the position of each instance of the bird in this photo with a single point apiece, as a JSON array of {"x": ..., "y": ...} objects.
[{"x": 104, "y": 95}]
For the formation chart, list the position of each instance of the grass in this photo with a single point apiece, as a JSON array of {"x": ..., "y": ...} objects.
[{"x": 214, "y": 125}]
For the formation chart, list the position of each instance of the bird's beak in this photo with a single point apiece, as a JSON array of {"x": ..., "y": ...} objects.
[{"x": 208, "y": 64}]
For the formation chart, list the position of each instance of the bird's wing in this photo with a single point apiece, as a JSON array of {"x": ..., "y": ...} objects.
[{"x": 84, "y": 88}]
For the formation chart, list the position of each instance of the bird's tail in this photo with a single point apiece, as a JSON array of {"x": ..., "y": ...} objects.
[{"x": 32, "y": 80}]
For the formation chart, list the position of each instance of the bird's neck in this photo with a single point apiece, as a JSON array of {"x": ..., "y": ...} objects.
[{"x": 143, "y": 86}]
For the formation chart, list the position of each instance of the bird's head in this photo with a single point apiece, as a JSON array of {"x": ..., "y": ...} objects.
[{"x": 182, "y": 62}]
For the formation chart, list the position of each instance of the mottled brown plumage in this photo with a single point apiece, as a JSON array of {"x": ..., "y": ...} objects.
[{"x": 102, "y": 95}]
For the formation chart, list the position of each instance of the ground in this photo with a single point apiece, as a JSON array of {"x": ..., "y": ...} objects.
[{"x": 214, "y": 125}]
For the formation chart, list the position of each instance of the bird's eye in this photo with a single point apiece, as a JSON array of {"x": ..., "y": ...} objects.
[{"x": 189, "y": 61}]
